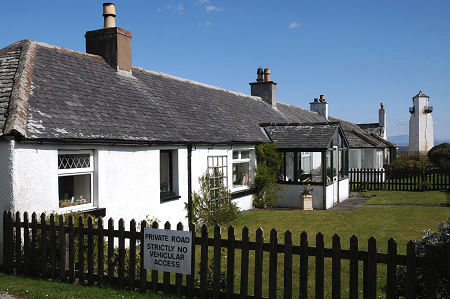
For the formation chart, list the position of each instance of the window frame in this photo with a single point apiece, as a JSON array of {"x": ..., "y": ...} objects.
[
  {"x": 172, "y": 194},
  {"x": 239, "y": 160},
  {"x": 77, "y": 172}
]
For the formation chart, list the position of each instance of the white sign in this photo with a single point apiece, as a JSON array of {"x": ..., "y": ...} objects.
[{"x": 167, "y": 250}]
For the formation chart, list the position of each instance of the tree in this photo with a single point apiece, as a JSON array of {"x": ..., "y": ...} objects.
[
  {"x": 439, "y": 155},
  {"x": 267, "y": 169}
]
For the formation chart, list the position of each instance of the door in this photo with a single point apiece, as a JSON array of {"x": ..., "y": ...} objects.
[{"x": 335, "y": 175}]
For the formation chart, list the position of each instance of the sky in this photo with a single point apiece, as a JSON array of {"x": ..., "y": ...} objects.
[{"x": 357, "y": 53}]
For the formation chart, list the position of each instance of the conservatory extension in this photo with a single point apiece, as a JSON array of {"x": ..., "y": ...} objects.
[{"x": 314, "y": 154}]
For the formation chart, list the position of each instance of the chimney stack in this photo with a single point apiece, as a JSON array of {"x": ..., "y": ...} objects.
[
  {"x": 320, "y": 106},
  {"x": 111, "y": 42},
  {"x": 382, "y": 121},
  {"x": 265, "y": 89},
  {"x": 109, "y": 15}
]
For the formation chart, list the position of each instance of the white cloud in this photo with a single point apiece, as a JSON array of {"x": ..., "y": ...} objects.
[
  {"x": 202, "y": 2},
  {"x": 211, "y": 8},
  {"x": 294, "y": 25},
  {"x": 176, "y": 8}
]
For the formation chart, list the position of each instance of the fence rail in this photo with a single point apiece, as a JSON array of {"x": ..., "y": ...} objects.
[
  {"x": 381, "y": 179},
  {"x": 51, "y": 248}
]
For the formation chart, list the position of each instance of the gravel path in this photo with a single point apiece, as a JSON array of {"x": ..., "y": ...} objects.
[{"x": 6, "y": 296}]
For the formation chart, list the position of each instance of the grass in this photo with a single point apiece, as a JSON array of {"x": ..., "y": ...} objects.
[
  {"x": 403, "y": 223},
  {"x": 22, "y": 287},
  {"x": 405, "y": 197}
]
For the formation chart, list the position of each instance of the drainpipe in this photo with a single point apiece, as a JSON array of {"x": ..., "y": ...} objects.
[{"x": 189, "y": 162}]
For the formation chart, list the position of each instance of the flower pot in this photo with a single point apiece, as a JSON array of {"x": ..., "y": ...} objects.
[{"x": 306, "y": 202}]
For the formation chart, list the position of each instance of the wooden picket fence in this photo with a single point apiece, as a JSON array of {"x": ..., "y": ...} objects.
[
  {"x": 380, "y": 179},
  {"x": 51, "y": 250}
]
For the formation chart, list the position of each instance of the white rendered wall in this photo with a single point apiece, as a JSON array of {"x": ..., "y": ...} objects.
[
  {"x": 126, "y": 181},
  {"x": 289, "y": 196},
  {"x": 330, "y": 195},
  {"x": 421, "y": 137},
  {"x": 200, "y": 165},
  {"x": 5, "y": 184},
  {"x": 343, "y": 190}
]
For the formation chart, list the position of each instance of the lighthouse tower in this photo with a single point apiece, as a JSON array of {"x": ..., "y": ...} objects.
[{"x": 421, "y": 138}]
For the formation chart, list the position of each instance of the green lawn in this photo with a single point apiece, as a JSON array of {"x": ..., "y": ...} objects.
[
  {"x": 22, "y": 287},
  {"x": 405, "y": 197},
  {"x": 403, "y": 223}
]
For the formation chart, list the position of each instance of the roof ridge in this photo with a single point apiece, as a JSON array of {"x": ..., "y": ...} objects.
[
  {"x": 365, "y": 138},
  {"x": 16, "y": 122},
  {"x": 165, "y": 75},
  {"x": 298, "y": 107}
]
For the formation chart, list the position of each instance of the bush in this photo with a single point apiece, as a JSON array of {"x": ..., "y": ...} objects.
[
  {"x": 214, "y": 204},
  {"x": 440, "y": 156},
  {"x": 425, "y": 186},
  {"x": 267, "y": 169},
  {"x": 405, "y": 165},
  {"x": 439, "y": 240}
]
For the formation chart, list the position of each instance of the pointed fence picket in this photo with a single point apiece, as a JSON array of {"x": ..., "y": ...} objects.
[{"x": 51, "y": 249}]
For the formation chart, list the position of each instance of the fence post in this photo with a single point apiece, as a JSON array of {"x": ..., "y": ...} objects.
[
  {"x": 353, "y": 267},
  {"x": 71, "y": 250},
  {"x": 372, "y": 268},
  {"x": 111, "y": 251},
  {"x": 155, "y": 272},
  {"x": 191, "y": 278},
  {"x": 336, "y": 267},
  {"x": 258, "y": 262},
  {"x": 121, "y": 262},
  {"x": 62, "y": 248},
  {"x": 52, "y": 246},
  {"x": 81, "y": 273},
  {"x": 166, "y": 275},
  {"x": 18, "y": 244},
  {"x": 132, "y": 265},
  {"x": 319, "y": 265},
  {"x": 273, "y": 263},
  {"x": 43, "y": 246},
  {"x": 217, "y": 258},
  {"x": 303, "y": 265},
  {"x": 392, "y": 269},
  {"x": 230, "y": 262},
  {"x": 244, "y": 263},
  {"x": 288, "y": 264},
  {"x": 143, "y": 271},
  {"x": 90, "y": 253},
  {"x": 178, "y": 276},
  {"x": 411, "y": 270},
  {"x": 26, "y": 244},
  {"x": 430, "y": 270},
  {"x": 100, "y": 252},
  {"x": 204, "y": 263}
]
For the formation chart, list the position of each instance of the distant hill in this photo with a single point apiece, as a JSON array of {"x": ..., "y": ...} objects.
[{"x": 403, "y": 140}]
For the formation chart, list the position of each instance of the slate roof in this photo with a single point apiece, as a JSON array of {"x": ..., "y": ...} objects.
[
  {"x": 307, "y": 136},
  {"x": 9, "y": 62},
  {"x": 370, "y": 128},
  {"x": 63, "y": 95}
]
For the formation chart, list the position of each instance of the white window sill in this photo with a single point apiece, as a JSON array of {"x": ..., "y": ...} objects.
[
  {"x": 241, "y": 188},
  {"x": 75, "y": 209}
]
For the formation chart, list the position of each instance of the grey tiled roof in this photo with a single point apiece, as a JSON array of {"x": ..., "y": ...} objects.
[
  {"x": 308, "y": 136},
  {"x": 9, "y": 61}
]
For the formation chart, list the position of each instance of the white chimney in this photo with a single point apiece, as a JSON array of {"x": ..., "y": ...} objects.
[
  {"x": 382, "y": 121},
  {"x": 320, "y": 106}
]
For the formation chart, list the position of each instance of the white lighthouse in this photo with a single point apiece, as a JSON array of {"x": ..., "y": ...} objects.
[{"x": 421, "y": 138}]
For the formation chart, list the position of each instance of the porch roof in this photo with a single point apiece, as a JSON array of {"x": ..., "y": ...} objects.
[{"x": 301, "y": 136}]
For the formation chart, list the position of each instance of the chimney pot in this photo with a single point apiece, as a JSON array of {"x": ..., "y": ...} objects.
[
  {"x": 316, "y": 100},
  {"x": 322, "y": 98},
  {"x": 259, "y": 73},
  {"x": 109, "y": 15},
  {"x": 266, "y": 75}
]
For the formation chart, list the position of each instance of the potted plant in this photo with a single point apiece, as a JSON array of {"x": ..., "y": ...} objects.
[{"x": 306, "y": 198}]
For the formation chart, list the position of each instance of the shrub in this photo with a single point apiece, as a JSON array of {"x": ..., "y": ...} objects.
[
  {"x": 407, "y": 164},
  {"x": 440, "y": 156},
  {"x": 213, "y": 205},
  {"x": 425, "y": 186},
  {"x": 266, "y": 175},
  {"x": 439, "y": 240},
  {"x": 210, "y": 276}
]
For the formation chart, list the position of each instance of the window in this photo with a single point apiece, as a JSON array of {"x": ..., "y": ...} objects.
[
  {"x": 343, "y": 166},
  {"x": 218, "y": 174},
  {"x": 241, "y": 168},
  {"x": 168, "y": 175},
  {"x": 310, "y": 167},
  {"x": 75, "y": 178}
]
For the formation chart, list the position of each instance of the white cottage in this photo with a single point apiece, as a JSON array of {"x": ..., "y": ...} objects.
[{"x": 89, "y": 132}]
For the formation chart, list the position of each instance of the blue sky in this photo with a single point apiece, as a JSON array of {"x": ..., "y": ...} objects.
[{"x": 356, "y": 53}]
